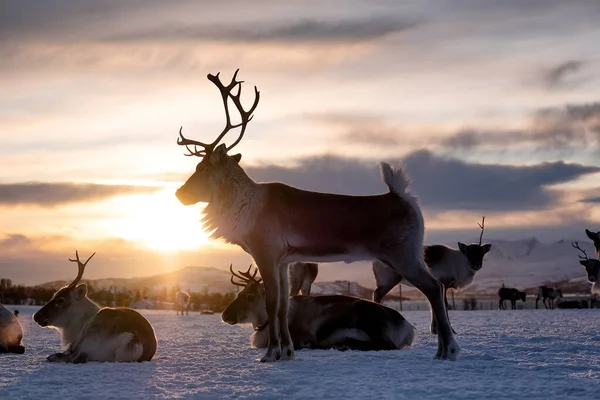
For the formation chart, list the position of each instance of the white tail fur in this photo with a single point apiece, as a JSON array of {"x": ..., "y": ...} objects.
[{"x": 395, "y": 178}]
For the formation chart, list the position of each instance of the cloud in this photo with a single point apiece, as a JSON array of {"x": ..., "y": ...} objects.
[
  {"x": 561, "y": 75},
  {"x": 54, "y": 194},
  {"x": 591, "y": 200},
  {"x": 303, "y": 30},
  {"x": 571, "y": 126},
  {"x": 441, "y": 183}
]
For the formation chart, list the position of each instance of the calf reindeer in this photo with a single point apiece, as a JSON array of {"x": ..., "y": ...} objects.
[
  {"x": 592, "y": 267},
  {"x": 454, "y": 268},
  {"x": 595, "y": 236},
  {"x": 182, "y": 302},
  {"x": 321, "y": 322},
  {"x": 278, "y": 224},
  {"x": 11, "y": 333},
  {"x": 302, "y": 276},
  {"x": 511, "y": 294},
  {"x": 91, "y": 333}
]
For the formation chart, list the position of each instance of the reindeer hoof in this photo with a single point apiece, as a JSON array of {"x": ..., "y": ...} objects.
[
  {"x": 57, "y": 358},
  {"x": 287, "y": 353},
  {"x": 272, "y": 355}
]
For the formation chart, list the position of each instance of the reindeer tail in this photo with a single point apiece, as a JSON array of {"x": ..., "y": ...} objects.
[{"x": 395, "y": 178}]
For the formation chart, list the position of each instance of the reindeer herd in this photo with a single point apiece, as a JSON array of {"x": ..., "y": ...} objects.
[{"x": 281, "y": 226}]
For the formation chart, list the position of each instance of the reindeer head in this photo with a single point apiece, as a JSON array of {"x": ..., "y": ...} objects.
[
  {"x": 595, "y": 236},
  {"x": 249, "y": 306},
  {"x": 592, "y": 266},
  {"x": 56, "y": 311},
  {"x": 217, "y": 166},
  {"x": 475, "y": 252}
]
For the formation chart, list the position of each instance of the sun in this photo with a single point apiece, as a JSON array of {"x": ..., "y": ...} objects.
[{"x": 158, "y": 221}]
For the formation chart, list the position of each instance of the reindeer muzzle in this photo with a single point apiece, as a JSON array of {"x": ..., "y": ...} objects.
[
  {"x": 184, "y": 197},
  {"x": 40, "y": 320}
]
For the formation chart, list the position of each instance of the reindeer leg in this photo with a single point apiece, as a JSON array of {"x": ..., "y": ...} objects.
[
  {"x": 306, "y": 287},
  {"x": 270, "y": 275},
  {"x": 385, "y": 283},
  {"x": 287, "y": 346},
  {"x": 415, "y": 271}
]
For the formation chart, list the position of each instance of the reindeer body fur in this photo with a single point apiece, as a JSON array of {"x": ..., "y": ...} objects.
[
  {"x": 11, "y": 332},
  {"x": 343, "y": 323}
]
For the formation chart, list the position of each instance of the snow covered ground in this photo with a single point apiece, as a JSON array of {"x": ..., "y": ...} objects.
[{"x": 523, "y": 354}]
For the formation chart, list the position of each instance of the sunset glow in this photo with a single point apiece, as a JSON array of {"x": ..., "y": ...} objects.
[{"x": 158, "y": 221}]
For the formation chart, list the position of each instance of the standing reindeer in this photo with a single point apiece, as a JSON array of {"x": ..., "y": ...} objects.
[
  {"x": 278, "y": 224},
  {"x": 549, "y": 295},
  {"x": 11, "y": 332},
  {"x": 91, "y": 333},
  {"x": 321, "y": 322},
  {"x": 302, "y": 276},
  {"x": 182, "y": 302},
  {"x": 454, "y": 268},
  {"x": 511, "y": 294},
  {"x": 592, "y": 267}
]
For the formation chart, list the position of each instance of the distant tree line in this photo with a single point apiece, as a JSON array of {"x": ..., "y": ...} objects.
[{"x": 37, "y": 295}]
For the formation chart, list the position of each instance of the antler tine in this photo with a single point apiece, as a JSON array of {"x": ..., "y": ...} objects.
[
  {"x": 244, "y": 280},
  {"x": 576, "y": 245},
  {"x": 183, "y": 141},
  {"x": 80, "y": 267},
  {"x": 482, "y": 226}
]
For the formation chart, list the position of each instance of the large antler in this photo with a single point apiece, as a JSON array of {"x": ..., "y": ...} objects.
[
  {"x": 246, "y": 116},
  {"x": 245, "y": 277},
  {"x": 80, "y": 266},
  {"x": 482, "y": 226},
  {"x": 576, "y": 245}
]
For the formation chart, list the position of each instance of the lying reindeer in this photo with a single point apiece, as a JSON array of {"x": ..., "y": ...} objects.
[
  {"x": 511, "y": 294},
  {"x": 302, "y": 276},
  {"x": 91, "y": 333},
  {"x": 591, "y": 265},
  {"x": 11, "y": 333},
  {"x": 182, "y": 302},
  {"x": 321, "y": 322},
  {"x": 278, "y": 224}
]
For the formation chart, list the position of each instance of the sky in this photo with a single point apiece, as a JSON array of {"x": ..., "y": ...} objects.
[{"x": 493, "y": 108}]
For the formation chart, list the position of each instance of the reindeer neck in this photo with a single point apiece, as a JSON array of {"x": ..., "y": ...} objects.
[
  {"x": 82, "y": 314},
  {"x": 230, "y": 213}
]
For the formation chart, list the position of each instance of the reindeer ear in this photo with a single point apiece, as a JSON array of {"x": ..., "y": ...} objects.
[
  {"x": 486, "y": 247},
  {"x": 462, "y": 247},
  {"x": 80, "y": 291},
  {"x": 590, "y": 234},
  {"x": 237, "y": 157},
  {"x": 583, "y": 262},
  {"x": 217, "y": 157}
]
